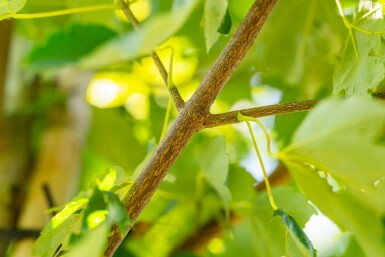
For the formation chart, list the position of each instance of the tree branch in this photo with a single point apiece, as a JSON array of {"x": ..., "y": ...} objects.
[
  {"x": 174, "y": 92},
  {"x": 231, "y": 56},
  {"x": 191, "y": 118},
  {"x": 216, "y": 120}
]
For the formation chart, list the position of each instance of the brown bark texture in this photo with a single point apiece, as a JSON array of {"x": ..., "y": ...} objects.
[{"x": 192, "y": 117}]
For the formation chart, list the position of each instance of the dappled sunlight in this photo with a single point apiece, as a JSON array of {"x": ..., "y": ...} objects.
[
  {"x": 138, "y": 105},
  {"x": 184, "y": 63},
  {"x": 216, "y": 246},
  {"x": 327, "y": 238},
  {"x": 188, "y": 89},
  {"x": 96, "y": 218},
  {"x": 141, "y": 8},
  {"x": 111, "y": 89}
]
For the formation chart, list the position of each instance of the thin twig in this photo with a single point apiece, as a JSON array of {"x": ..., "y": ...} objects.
[
  {"x": 174, "y": 92},
  {"x": 49, "y": 197},
  {"x": 216, "y": 120}
]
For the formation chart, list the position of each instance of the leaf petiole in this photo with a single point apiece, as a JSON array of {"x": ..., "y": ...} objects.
[
  {"x": 170, "y": 84},
  {"x": 247, "y": 119}
]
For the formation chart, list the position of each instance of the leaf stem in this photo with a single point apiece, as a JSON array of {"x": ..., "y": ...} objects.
[
  {"x": 166, "y": 118},
  {"x": 62, "y": 12},
  {"x": 170, "y": 85},
  {"x": 241, "y": 117},
  {"x": 268, "y": 188},
  {"x": 266, "y": 177}
]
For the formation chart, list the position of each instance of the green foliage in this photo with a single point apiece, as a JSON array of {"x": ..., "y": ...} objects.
[
  {"x": 360, "y": 67},
  {"x": 301, "y": 51},
  {"x": 334, "y": 154},
  {"x": 226, "y": 24},
  {"x": 214, "y": 13},
  {"x": 8, "y": 7},
  {"x": 141, "y": 42},
  {"x": 254, "y": 234},
  {"x": 87, "y": 219},
  {"x": 328, "y": 154},
  {"x": 214, "y": 163},
  {"x": 297, "y": 243},
  {"x": 68, "y": 46}
]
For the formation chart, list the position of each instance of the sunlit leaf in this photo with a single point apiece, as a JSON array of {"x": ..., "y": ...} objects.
[
  {"x": 67, "y": 46},
  {"x": 328, "y": 155},
  {"x": 97, "y": 202},
  {"x": 54, "y": 236},
  {"x": 141, "y": 42},
  {"x": 8, "y": 7},
  {"x": 361, "y": 64},
  {"x": 114, "y": 177},
  {"x": 214, "y": 14},
  {"x": 68, "y": 210},
  {"x": 96, "y": 218}
]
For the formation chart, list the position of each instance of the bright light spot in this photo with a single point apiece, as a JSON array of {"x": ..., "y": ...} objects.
[
  {"x": 216, "y": 246},
  {"x": 380, "y": 183},
  {"x": 137, "y": 104},
  {"x": 141, "y": 9},
  {"x": 256, "y": 79},
  {"x": 184, "y": 65},
  {"x": 326, "y": 237},
  {"x": 111, "y": 89},
  {"x": 96, "y": 218},
  {"x": 335, "y": 184},
  {"x": 103, "y": 93}
]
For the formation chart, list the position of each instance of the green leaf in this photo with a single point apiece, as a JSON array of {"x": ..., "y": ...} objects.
[
  {"x": 226, "y": 24},
  {"x": 258, "y": 234},
  {"x": 8, "y": 7},
  {"x": 304, "y": 49},
  {"x": 241, "y": 184},
  {"x": 360, "y": 68},
  {"x": 214, "y": 13},
  {"x": 214, "y": 163},
  {"x": 54, "y": 236},
  {"x": 97, "y": 202},
  {"x": 117, "y": 213},
  {"x": 298, "y": 244},
  {"x": 67, "y": 46},
  {"x": 114, "y": 177},
  {"x": 93, "y": 244},
  {"x": 334, "y": 160},
  {"x": 141, "y": 42},
  {"x": 166, "y": 233},
  {"x": 68, "y": 210}
]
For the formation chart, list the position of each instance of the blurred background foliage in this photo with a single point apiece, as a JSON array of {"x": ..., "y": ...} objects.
[{"x": 63, "y": 124}]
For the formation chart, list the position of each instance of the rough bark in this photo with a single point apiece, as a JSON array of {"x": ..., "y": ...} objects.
[{"x": 193, "y": 116}]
